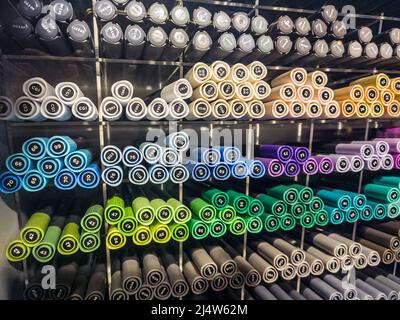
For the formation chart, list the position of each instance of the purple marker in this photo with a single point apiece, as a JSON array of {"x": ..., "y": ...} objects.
[
  {"x": 387, "y": 162},
  {"x": 341, "y": 163},
  {"x": 391, "y": 132},
  {"x": 292, "y": 168},
  {"x": 356, "y": 162},
  {"x": 282, "y": 153},
  {"x": 366, "y": 151},
  {"x": 396, "y": 160},
  {"x": 325, "y": 164},
  {"x": 373, "y": 164},
  {"x": 381, "y": 147},
  {"x": 394, "y": 144},
  {"x": 301, "y": 154},
  {"x": 274, "y": 167},
  {"x": 310, "y": 166}
]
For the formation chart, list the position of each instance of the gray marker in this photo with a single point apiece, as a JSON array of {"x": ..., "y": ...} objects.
[
  {"x": 283, "y": 46},
  {"x": 156, "y": 42},
  {"x": 22, "y": 32},
  {"x": 30, "y": 9},
  {"x": 221, "y": 21},
  {"x": 283, "y": 26},
  {"x": 201, "y": 44},
  {"x": 50, "y": 35},
  {"x": 158, "y": 13},
  {"x": 328, "y": 13},
  {"x": 135, "y": 11},
  {"x": 320, "y": 51},
  {"x": 319, "y": 28},
  {"x": 353, "y": 50},
  {"x": 240, "y": 21},
  {"x": 178, "y": 41},
  {"x": 111, "y": 37},
  {"x": 135, "y": 39},
  {"x": 105, "y": 10},
  {"x": 392, "y": 36},
  {"x": 180, "y": 16},
  {"x": 245, "y": 46},
  {"x": 302, "y": 48},
  {"x": 222, "y": 48},
  {"x": 80, "y": 38},
  {"x": 303, "y": 26},
  {"x": 259, "y": 25},
  {"x": 363, "y": 35},
  {"x": 339, "y": 29},
  {"x": 202, "y": 18},
  {"x": 63, "y": 11}
]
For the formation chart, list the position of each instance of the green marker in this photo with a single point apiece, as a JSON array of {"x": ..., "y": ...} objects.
[
  {"x": 182, "y": 213},
  {"x": 203, "y": 210},
  {"x": 45, "y": 250},
  {"x": 392, "y": 210},
  {"x": 305, "y": 193},
  {"x": 198, "y": 229},
  {"x": 163, "y": 211},
  {"x": 115, "y": 239},
  {"x": 160, "y": 233},
  {"x": 238, "y": 226},
  {"x": 316, "y": 205},
  {"x": 253, "y": 224},
  {"x": 388, "y": 181},
  {"x": 271, "y": 222},
  {"x": 92, "y": 219},
  {"x": 142, "y": 236},
  {"x": 179, "y": 232},
  {"x": 35, "y": 228},
  {"x": 297, "y": 210},
  {"x": 273, "y": 205},
  {"x": 143, "y": 211},
  {"x": 285, "y": 193},
  {"x": 256, "y": 208},
  {"x": 307, "y": 220},
  {"x": 17, "y": 251},
  {"x": 381, "y": 193},
  {"x": 321, "y": 218},
  {"x": 216, "y": 197},
  {"x": 114, "y": 210},
  {"x": 217, "y": 228},
  {"x": 89, "y": 242},
  {"x": 239, "y": 201},
  {"x": 69, "y": 239},
  {"x": 128, "y": 223},
  {"x": 288, "y": 222},
  {"x": 227, "y": 214}
]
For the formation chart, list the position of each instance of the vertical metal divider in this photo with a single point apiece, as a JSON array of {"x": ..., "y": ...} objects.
[
  {"x": 181, "y": 187},
  {"x": 307, "y": 184},
  {"x": 103, "y": 125}
]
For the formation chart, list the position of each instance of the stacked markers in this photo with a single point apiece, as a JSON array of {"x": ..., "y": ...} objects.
[
  {"x": 357, "y": 155},
  {"x": 394, "y": 149},
  {"x": 149, "y": 162},
  {"x": 379, "y": 201},
  {"x": 222, "y": 163},
  {"x": 46, "y": 233},
  {"x": 288, "y": 205},
  {"x": 43, "y": 160},
  {"x": 372, "y": 96},
  {"x": 78, "y": 278},
  {"x": 167, "y": 104},
  {"x": 286, "y": 160},
  {"x": 145, "y": 216},
  {"x": 296, "y": 94},
  {"x": 53, "y": 29},
  {"x": 223, "y": 92},
  {"x": 215, "y": 212},
  {"x": 41, "y": 101}
]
